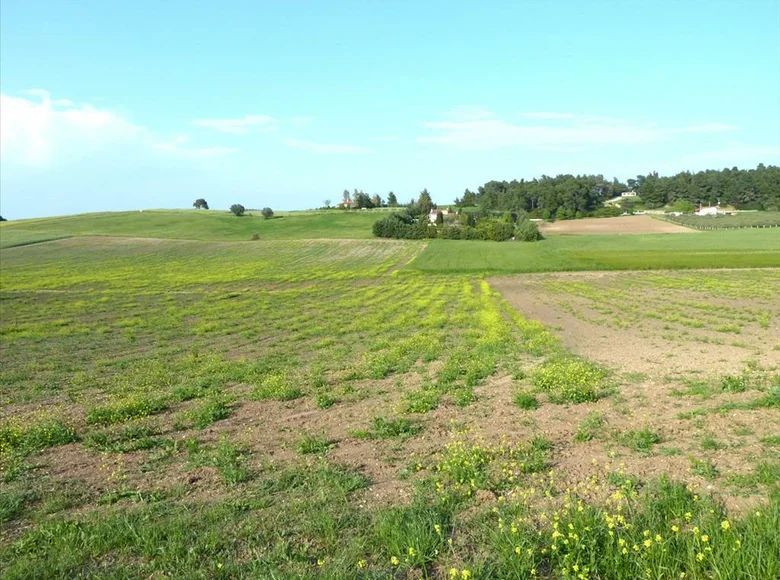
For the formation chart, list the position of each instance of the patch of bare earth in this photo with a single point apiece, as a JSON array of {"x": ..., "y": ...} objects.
[
  {"x": 630, "y": 224},
  {"x": 652, "y": 374}
]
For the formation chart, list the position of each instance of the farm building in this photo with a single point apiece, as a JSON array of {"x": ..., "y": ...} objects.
[
  {"x": 708, "y": 211},
  {"x": 444, "y": 212},
  {"x": 631, "y": 193}
]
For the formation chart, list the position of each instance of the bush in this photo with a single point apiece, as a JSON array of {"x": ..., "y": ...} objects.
[
  {"x": 237, "y": 209},
  {"x": 527, "y": 231},
  {"x": 267, "y": 212}
]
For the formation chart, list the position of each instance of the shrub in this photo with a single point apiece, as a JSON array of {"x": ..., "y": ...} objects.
[
  {"x": 527, "y": 231},
  {"x": 267, "y": 212},
  {"x": 570, "y": 380},
  {"x": 237, "y": 209}
]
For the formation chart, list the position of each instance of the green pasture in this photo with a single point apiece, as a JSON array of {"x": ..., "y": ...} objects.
[
  {"x": 722, "y": 249},
  {"x": 211, "y": 225}
]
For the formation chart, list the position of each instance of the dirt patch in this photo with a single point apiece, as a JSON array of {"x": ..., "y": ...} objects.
[{"x": 631, "y": 224}]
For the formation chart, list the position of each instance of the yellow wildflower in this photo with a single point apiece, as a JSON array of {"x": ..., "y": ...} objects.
[
  {"x": 394, "y": 561},
  {"x": 725, "y": 525}
]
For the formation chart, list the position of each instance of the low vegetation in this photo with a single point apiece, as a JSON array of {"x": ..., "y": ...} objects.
[{"x": 340, "y": 409}]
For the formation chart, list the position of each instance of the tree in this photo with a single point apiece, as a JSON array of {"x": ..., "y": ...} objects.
[
  {"x": 2, "y": 219},
  {"x": 200, "y": 203},
  {"x": 392, "y": 201},
  {"x": 424, "y": 203},
  {"x": 376, "y": 200},
  {"x": 439, "y": 218},
  {"x": 267, "y": 212},
  {"x": 327, "y": 203},
  {"x": 345, "y": 196},
  {"x": 237, "y": 209}
]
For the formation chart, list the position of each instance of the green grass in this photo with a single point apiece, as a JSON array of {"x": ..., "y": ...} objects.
[
  {"x": 211, "y": 225},
  {"x": 171, "y": 409},
  {"x": 741, "y": 220},
  {"x": 723, "y": 249}
]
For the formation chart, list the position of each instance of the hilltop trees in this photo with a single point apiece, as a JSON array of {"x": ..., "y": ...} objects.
[
  {"x": 200, "y": 203},
  {"x": 571, "y": 196},
  {"x": 392, "y": 201},
  {"x": 237, "y": 209},
  {"x": 267, "y": 212}
]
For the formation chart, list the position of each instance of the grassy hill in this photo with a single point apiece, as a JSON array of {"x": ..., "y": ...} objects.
[{"x": 191, "y": 225}]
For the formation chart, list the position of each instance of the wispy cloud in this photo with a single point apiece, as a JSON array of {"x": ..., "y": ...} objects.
[
  {"x": 242, "y": 126},
  {"x": 480, "y": 129},
  {"x": 325, "y": 148},
  {"x": 736, "y": 154}
]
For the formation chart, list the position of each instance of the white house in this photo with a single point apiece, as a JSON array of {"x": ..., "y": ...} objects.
[
  {"x": 631, "y": 193},
  {"x": 444, "y": 212},
  {"x": 708, "y": 211}
]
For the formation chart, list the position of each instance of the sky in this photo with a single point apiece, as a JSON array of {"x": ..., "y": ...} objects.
[{"x": 114, "y": 105}]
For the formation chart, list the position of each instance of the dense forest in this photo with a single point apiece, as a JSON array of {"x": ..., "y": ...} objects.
[{"x": 570, "y": 196}]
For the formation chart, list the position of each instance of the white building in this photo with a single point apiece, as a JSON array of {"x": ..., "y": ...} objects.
[
  {"x": 631, "y": 193},
  {"x": 708, "y": 211}
]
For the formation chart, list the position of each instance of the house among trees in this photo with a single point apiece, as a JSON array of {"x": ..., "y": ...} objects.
[
  {"x": 714, "y": 210},
  {"x": 630, "y": 193},
  {"x": 348, "y": 203},
  {"x": 433, "y": 214}
]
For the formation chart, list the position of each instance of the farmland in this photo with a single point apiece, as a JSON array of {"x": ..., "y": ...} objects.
[
  {"x": 359, "y": 408},
  {"x": 757, "y": 219}
]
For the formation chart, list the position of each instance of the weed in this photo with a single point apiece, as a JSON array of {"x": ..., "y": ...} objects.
[
  {"x": 208, "y": 412},
  {"x": 421, "y": 401},
  {"x": 324, "y": 401},
  {"x": 383, "y": 428},
  {"x": 670, "y": 451},
  {"x": 586, "y": 430},
  {"x": 24, "y": 439},
  {"x": 641, "y": 440},
  {"x": 134, "y": 407},
  {"x": 570, "y": 380},
  {"x": 704, "y": 468},
  {"x": 278, "y": 387},
  {"x": 710, "y": 444},
  {"x": 228, "y": 458},
  {"x": 526, "y": 401},
  {"x": 123, "y": 438},
  {"x": 313, "y": 445}
]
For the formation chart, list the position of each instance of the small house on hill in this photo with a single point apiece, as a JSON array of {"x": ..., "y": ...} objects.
[
  {"x": 349, "y": 204},
  {"x": 631, "y": 193}
]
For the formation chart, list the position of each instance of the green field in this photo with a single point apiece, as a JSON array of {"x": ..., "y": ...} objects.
[
  {"x": 209, "y": 225},
  {"x": 757, "y": 219},
  {"x": 731, "y": 249},
  {"x": 302, "y": 407}
]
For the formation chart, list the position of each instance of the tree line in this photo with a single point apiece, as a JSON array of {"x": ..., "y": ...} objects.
[{"x": 574, "y": 196}]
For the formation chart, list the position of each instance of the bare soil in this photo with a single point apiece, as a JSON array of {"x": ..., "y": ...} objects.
[{"x": 630, "y": 224}]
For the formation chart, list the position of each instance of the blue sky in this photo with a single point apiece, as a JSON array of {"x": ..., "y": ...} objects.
[{"x": 111, "y": 105}]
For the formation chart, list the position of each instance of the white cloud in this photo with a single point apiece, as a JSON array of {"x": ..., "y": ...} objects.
[
  {"x": 240, "y": 126},
  {"x": 323, "y": 147},
  {"x": 479, "y": 129},
  {"x": 40, "y": 131},
  {"x": 34, "y": 132}
]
